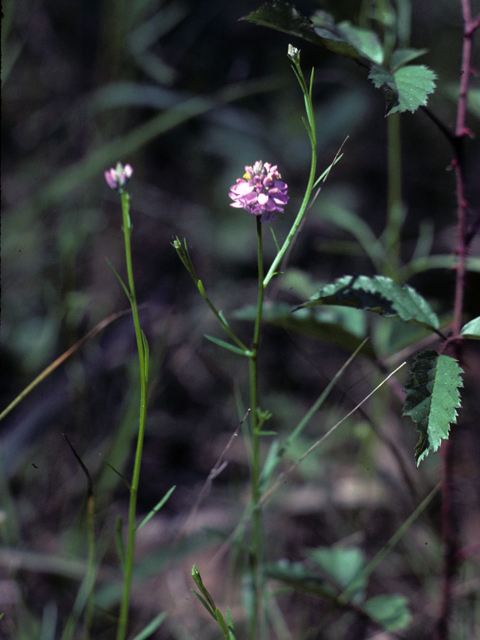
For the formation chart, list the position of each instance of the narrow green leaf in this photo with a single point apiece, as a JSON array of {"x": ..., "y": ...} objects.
[
  {"x": 231, "y": 630},
  {"x": 432, "y": 399},
  {"x": 120, "y": 543},
  {"x": 205, "y": 604},
  {"x": 274, "y": 238},
  {"x": 146, "y": 353},
  {"x": 228, "y": 346},
  {"x": 151, "y": 627},
  {"x": 378, "y": 294},
  {"x": 472, "y": 329},
  {"x": 197, "y": 578},
  {"x": 123, "y": 285},
  {"x": 121, "y": 476},
  {"x": 391, "y": 611},
  {"x": 156, "y": 508},
  {"x": 221, "y": 621}
]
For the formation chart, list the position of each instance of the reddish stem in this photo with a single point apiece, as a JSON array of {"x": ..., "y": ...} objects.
[{"x": 449, "y": 524}]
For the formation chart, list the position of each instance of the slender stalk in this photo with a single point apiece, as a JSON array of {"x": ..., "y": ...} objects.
[
  {"x": 123, "y": 619},
  {"x": 449, "y": 524},
  {"x": 395, "y": 208},
  {"x": 256, "y": 545}
]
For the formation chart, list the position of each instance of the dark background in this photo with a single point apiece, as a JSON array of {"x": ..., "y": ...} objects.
[{"x": 79, "y": 75}]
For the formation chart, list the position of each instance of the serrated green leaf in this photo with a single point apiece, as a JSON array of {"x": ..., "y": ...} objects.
[
  {"x": 401, "y": 57},
  {"x": 472, "y": 329},
  {"x": 378, "y": 294},
  {"x": 432, "y": 399},
  {"x": 414, "y": 83},
  {"x": 406, "y": 88},
  {"x": 390, "y": 611}
]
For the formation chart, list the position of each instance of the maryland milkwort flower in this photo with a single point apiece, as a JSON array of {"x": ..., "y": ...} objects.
[
  {"x": 260, "y": 191},
  {"x": 118, "y": 177}
]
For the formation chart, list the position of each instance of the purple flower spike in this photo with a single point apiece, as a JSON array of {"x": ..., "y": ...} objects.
[
  {"x": 260, "y": 191},
  {"x": 118, "y": 177}
]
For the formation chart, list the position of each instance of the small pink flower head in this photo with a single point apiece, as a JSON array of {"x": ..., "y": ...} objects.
[
  {"x": 260, "y": 191},
  {"x": 118, "y": 177}
]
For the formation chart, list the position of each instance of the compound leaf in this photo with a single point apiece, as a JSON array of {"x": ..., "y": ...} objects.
[
  {"x": 378, "y": 294},
  {"x": 432, "y": 399}
]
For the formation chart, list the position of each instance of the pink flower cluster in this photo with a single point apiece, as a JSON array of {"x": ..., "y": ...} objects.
[
  {"x": 260, "y": 191},
  {"x": 118, "y": 177}
]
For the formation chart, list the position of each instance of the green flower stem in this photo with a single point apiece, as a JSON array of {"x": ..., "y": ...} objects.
[
  {"x": 310, "y": 126},
  {"x": 127, "y": 230},
  {"x": 256, "y": 541}
]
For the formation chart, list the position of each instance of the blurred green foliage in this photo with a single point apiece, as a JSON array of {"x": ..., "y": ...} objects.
[{"x": 188, "y": 95}]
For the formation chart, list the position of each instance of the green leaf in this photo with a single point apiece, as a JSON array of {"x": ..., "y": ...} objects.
[
  {"x": 432, "y": 399},
  {"x": 298, "y": 577},
  {"x": 231, "y": 630},
  {"x": 119, "y": 542},
  {"x": 156, "y": 508},
  {"x": 151, "y": 627},
  {"x": 365, "y": 41},
  {"x": 205, "y": 604},
  {"x": 282, "y": 16},
  {"x": 406, "y": 88},
  {"x": 400, "y": 57},
  {"x": 340, "y": 326},
  {"x": 378, "y": 294},
  {"x": 227, "y": 345},
  {"x": 121, "y": 476},
  {"x": 208, "y": 602},
  {"x": 146, "y": 354},
  {"x": 472, "y": 329},
  {"x": 390, "y": 611},
  {"x": 346, "y": 39},
  {"x": 342, "y": 564},
  {"x": 122, "y": 284}
]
